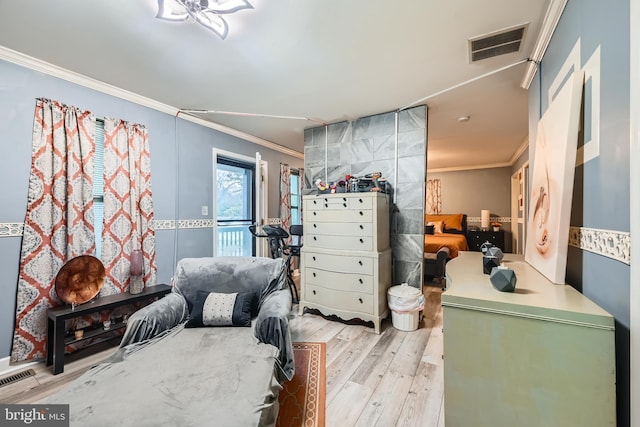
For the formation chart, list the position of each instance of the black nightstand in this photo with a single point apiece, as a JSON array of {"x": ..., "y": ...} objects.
[{"x": 475, "y": 239}]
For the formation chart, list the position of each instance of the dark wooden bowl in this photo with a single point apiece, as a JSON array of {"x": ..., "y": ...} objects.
[{"x": 80, "y": 279}]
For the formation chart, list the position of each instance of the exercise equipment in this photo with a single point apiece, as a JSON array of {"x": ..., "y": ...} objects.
[{"x": 278, "y": 247}]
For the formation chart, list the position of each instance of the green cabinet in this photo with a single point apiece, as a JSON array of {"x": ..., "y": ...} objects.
[{"x": 543, "y": 355}]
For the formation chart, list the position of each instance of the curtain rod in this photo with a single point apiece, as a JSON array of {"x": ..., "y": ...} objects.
[
  {"x": 463, "y": 83},
  {"x": 241, "y": 114},
  {"x": 236, "y": 113}
]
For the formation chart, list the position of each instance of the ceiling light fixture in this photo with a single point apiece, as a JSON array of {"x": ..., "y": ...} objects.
[
  {"x": 205, "y": 12},
  {"x": 462, "y": 119}
]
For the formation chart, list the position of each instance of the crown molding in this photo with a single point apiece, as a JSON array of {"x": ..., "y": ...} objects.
[
  {"x": 97, "y": 85},
  {"x": 516, "y": 155},
  {"x": 549, "y": 24},
  {"x": 519, "y": 151},
  {"x": 467, "y": 168}
]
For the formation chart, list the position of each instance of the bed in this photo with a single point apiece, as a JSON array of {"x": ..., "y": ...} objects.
[{"x": 449, "y": 230}]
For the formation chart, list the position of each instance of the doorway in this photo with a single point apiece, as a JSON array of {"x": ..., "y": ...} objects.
[
  {"x": 239, "y": 197},
  {"x": 519, "y": 208}
]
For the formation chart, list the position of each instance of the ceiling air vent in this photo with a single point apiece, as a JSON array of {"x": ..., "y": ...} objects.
[{"x": 498, "y": 43}]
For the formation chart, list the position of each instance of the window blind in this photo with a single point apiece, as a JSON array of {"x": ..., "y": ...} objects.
[{"x": 98, "y": 187}]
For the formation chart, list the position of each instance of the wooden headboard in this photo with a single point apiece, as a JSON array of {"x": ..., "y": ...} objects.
[
  {"x": 464, "y": 227},
  {"x": 454, "y": 231}
]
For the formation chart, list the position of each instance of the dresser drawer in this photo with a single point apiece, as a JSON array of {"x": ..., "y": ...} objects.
[
  {"x": 324, "y": 203},
  {"x": 339, "y": 281},
  {"x": 475, "y": 239},
  {"x": 337, "y": 263},
  {"x": 347, "y": 215},
  {"x": 340, "y": 300},
  {"x": 340, "y": 228},
  {"x": 350, "y": 243},
  {"x": 361, "y": 202},
  {"x": 338, "y": 203}
]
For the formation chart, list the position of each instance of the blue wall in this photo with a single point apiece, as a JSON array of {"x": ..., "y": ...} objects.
[
  {"x": 181, "y": 166},
  {"x": 601, "y": 188}
]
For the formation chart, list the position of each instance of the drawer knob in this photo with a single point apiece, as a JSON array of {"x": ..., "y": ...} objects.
[
  {"x": 315, "y": 225},
  {"x": 361, "y": 240},
  {"x": 360, "y": 200},
  {"x": 314, "y": 291},
  {"x": 314, "y": 258},
  {"x": 326, "y": 200},
  {"x": 359, "y": 262},
  {"x": 326, "y": 205},
  {"x": 344, "y": 204},
  {"x": 315, "y": 238},
  {"x": 315, "y": 213},
  {"x": 361, "y": 227},
  {"x": 314, "y": 202},
  {"x": 359, "y": 299},
  {"x": 361, "y": 213},
  {"x": 361, "y": 281},
  {"x": 344, "y": 199}
]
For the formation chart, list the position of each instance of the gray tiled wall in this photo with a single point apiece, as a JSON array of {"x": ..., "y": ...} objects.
[{"x": 367, "y": 145}]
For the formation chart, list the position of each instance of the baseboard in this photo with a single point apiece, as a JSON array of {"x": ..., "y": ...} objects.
[{"x": 6, "y": 368}]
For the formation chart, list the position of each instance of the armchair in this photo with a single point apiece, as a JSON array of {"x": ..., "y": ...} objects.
[{"x": 168, "y": 373}]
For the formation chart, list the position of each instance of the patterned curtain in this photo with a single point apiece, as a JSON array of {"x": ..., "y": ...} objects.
[
  {"x": 434, "y": 197},
  {"x": 128, "y": 208},
  {"x": 59, "y": 219},
  {"x": 285, "y": 197}
]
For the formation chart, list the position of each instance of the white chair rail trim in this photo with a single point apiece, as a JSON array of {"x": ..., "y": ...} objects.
[
  {"x": 11, "y": 229},
  {"x": 477, "y": 219},
  {"x": 612, "y": 244},
  {"x": 16, "y": 229}
]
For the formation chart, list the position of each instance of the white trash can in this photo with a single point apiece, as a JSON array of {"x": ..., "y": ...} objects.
[{"x": 405, "y": 303}]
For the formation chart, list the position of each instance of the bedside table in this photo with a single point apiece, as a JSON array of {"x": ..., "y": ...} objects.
[{"x": 475, "y": 239}]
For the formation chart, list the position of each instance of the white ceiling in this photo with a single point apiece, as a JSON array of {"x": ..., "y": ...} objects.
[{"x": 330, "y": 60}]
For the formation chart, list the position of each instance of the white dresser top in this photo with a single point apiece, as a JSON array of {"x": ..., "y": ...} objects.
[
  {"x": 329, "y": 196},
  {"x": 534, "y": 296}
]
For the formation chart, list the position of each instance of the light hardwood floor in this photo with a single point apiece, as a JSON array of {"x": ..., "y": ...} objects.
[{"x": 391, "y": 379}]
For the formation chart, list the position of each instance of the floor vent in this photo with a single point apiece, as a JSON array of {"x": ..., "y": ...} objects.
[
  {"x": 17, "y": 377},
  {"x": 496, "y": 44}
]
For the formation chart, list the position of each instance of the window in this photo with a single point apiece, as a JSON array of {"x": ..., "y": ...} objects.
[
  {"x": 295, "y": 197},
  {"x": 98, "y": 187}
]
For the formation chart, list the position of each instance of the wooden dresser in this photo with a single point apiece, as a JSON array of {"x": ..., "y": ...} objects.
[
  {"x": 476, "y": 238},
  {"x": 346, "y": 257},
  {"x": 543, "y": 355}
]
